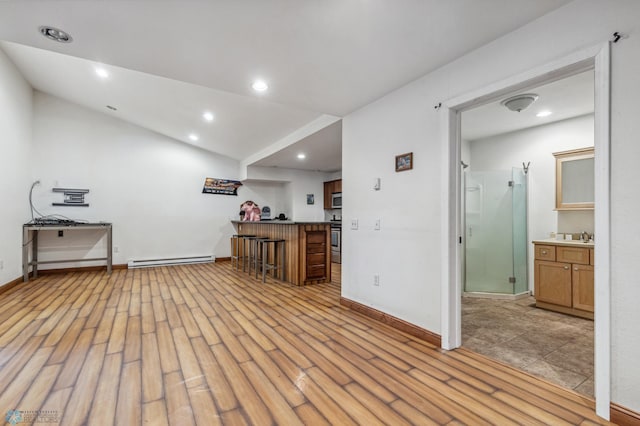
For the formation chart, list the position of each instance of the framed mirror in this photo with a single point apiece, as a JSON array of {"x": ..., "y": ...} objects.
[{"x": 575, "y": 179}]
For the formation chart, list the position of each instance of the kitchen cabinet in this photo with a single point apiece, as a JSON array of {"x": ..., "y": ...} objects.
[
  {"x": 563, "y": 277},
  {"x": 316, "y": 255},
  {"x": 331, "y": 187},
  {"x": 307, "y": 247}
]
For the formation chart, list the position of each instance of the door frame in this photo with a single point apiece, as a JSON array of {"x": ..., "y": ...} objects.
[{"x": 596, "y": 58}]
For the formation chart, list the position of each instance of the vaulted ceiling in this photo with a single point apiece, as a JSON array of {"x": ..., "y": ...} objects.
[{"x": 170, "y": 61}]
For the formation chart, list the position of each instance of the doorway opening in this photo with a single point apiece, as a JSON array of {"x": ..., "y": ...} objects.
[
  {"x": 596, "y": 58},
  {"x": 504, "y": 316}
]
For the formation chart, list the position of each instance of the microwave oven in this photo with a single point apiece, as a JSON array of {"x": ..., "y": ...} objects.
[{"x": 336, "y": 200}]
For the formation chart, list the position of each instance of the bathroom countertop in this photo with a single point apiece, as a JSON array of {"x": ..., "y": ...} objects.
[{"x": 574, "y": 243}]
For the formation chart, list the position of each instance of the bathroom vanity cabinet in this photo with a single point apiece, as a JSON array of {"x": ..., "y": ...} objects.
[{"x": 563, "y": 277}]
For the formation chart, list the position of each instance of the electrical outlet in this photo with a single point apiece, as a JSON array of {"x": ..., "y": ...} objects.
[
  {"x": 60, "y": 233},
  {"x": 116, "y": 249},
  {"x": 376, "y": 280},
  {"x": 377, "y": 225},
  {"x": 354, "y": 223}
]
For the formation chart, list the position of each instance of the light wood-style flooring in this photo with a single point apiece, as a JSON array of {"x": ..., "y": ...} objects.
[{"x": 203, "y": 344}]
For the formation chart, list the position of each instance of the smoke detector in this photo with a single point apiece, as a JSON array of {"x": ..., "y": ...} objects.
[{"x": 519, "y": 102}]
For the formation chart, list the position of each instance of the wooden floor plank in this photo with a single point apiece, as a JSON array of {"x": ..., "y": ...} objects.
[
  {"x": 154, "y": 413},
  {"x": 375, "y": 405},
  {"x": 74, "y": 360},
  {"x": 12, "y": 348},
  {"x": 40, "y": 388},
  {"x": 104, "y": 328},
  {"x": 204, "y": 410},
  {"x": 151, "y": 369},
  {"x": 130, "y": 395},
  {"x": 132, "y": 343},
  {"x": 16, "y": 388},
  {"x": 310, "y": 415},
  {"x": 279, "y": 380},
  {"x": 77, "y": 410},
  {"x": 66, "y": 343},
  {"x": 118, "y": 332},
  {"x": 216, "y": 380},
  {"x": 205, "y": 344},
  {"x": 105, "y": 401},
  {"x": 168, "y": 355},
  {"x": 278, "y": 406},
  {"x": 256, "y": 411},
  {"x": 191, "y": 372},
  {"x": 179, "y": 410}
]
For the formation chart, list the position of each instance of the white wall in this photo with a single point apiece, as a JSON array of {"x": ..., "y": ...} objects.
[
  {"x": 406, "y": 252},
  {"x": 15, "y": 176},
  {"x": 297, "y": 184},
  {"x": 148, "y": 185},
  {"x": 536, "y": 145}
]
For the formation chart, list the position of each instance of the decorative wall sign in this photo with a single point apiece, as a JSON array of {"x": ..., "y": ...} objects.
[
  {"x": 310, "y": 199},
  {"x": 404, "y": 162},
  {"x": 72, "y": 197},
  {"x": 221, "y": 186}
]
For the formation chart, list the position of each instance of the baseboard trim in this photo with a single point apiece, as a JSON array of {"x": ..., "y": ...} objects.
[
  {"x": 397, "y": 323},
  {"x": 11, "y": 284},
  {"x": 623, "y": 416},
  {"x": 81, "y": 269}
]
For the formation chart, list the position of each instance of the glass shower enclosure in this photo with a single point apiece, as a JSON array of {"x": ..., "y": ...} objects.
[{"x": 495, "y": 223}]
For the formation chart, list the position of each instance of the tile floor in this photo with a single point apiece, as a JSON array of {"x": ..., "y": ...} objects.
[{"x": 551, "y": 345}]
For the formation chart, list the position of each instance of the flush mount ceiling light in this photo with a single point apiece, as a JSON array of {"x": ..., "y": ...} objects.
[
  {"x": 207, "y": 116},
  {"x": 193, "y": 137},
  {"x": 301, "y": 156},
  {"x": 519, "y": 102},
  {"x": 55, "y": 34},
  {"x": 260, "y": 86},
  {"x": 545, "y": 113}
]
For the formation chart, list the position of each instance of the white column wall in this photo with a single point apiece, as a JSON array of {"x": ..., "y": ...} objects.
[
  {"x": 406, "y": 253},
  {"x": 15, "y": 166}
]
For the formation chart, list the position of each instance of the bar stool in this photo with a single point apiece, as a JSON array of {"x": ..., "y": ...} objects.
[
  {"x": 265, "y": 246},
  {"x": 254, "y": 253},
  {"x": 235, "y": 249},
  {"x": 238, "y": 251}
]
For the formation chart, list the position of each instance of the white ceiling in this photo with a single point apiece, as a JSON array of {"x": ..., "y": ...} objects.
[
  {"x": 567, "y": 98},
  {"x": 323, "y": 151},
  {"x": 172, "y": 59}
]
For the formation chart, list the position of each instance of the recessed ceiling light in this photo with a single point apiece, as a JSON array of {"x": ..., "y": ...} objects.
[
  {"x": 102, "y": 73},
  {"x": 260, "y": 86},
  {"x": 193, "y": 137},
  {"x": 543, "y": 114},
  {"x": 301, "y": 156},
  {"x": 207, "y": 116},
  {"x": 55, "y": 34}
]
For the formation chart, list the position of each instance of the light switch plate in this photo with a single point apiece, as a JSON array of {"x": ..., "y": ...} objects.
[
  {"x": 354, "y": 223},
  {"x": 377, "y": 225}
]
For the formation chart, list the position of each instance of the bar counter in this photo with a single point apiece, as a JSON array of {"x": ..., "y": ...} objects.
[{"x": 307, "y": 247}]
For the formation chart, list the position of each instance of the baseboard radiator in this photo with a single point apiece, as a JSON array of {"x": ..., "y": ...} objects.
[{"x": 170, "y": 262}]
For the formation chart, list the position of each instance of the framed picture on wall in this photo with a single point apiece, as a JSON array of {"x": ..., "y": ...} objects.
[
  {"x": 310, "y": 199},
  {"x": 404, "y": 162}
]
